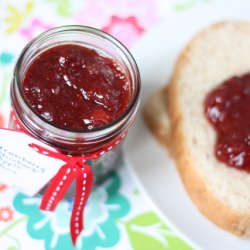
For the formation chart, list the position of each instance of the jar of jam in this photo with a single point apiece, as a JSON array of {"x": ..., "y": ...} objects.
[{"x": 76, "y": 89}]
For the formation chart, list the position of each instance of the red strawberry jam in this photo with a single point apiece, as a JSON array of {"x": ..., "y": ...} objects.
[
  {"x": 76, "y": 88},
  {"x": 228, "y": 109}
]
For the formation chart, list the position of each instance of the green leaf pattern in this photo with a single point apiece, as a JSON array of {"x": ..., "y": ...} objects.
[
  {"x": 148, "y": 232},
  {"x": 184, "y": 5}
]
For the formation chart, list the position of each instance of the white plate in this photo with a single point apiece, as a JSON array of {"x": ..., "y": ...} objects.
[{"x": 154, "y": 171}]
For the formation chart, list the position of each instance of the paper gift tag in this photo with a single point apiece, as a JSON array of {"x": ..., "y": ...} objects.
[{"x": 21, "y": 166}]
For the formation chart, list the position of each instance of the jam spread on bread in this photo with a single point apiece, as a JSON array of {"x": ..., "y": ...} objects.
[
  {"x": 228, "y": 109},
  {"x": 75, "y": 87}
]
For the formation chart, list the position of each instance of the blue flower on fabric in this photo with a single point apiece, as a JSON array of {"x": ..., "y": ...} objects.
[{"x": 104, "y": 208}]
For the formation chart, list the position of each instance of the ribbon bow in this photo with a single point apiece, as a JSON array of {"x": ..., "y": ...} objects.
[{"x": 75, "y": 168}]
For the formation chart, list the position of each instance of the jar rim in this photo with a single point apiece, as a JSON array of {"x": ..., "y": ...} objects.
[{"x": 133, "y": 103}]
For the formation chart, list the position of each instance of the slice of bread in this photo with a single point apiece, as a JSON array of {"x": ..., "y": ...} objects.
[
  {"x": 156, "y": 115},
  {"x": 177, "y": 117}
]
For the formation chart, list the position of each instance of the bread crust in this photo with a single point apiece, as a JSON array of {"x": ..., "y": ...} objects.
[
  {"x": 155, "y": 113},
  {"x": 195, "y": 184}
]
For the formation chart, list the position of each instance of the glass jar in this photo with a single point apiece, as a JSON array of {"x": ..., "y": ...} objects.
[{"x": 69, "y": 141}]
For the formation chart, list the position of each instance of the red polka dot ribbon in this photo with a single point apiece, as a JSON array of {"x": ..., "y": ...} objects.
[{"x": 75, "y": 168}]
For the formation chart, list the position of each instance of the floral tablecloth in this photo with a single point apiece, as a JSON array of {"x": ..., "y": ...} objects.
[{"x": 117, "y": 216}]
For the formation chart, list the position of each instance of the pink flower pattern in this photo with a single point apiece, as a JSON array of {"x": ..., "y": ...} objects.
[
  {"x": 35, "y": 27},
  {"x": 1, "y": 120},
  {"x": 6, "y": 214},
  {"x": 2, "y": 187},
  {"x": 127, "y": 30},
  {"x": 118, "y": 18}
]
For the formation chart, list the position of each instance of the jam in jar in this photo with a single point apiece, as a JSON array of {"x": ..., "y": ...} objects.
[
  {"x": 77, "y": 89},
  {"x": 74, "y": 87}
]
